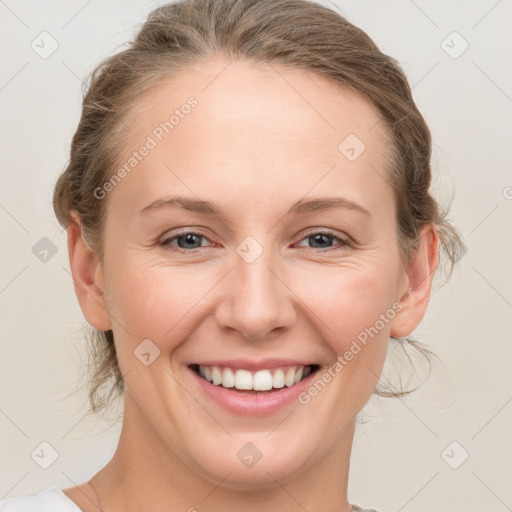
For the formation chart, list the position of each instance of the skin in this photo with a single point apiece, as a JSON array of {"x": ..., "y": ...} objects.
[{"x": 261, "y": 138}]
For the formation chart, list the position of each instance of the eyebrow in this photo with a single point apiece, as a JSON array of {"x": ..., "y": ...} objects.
[{"x": 300, "y": 207}]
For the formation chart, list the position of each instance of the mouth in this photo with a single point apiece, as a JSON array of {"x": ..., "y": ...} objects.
[{"x": 259, "y": 382}]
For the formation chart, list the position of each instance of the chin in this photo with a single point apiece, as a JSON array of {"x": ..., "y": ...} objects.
[{"x": 257, "y": 464}]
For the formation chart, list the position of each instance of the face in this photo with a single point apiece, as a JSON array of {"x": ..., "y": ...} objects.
[{"x": 274, "y": 279}]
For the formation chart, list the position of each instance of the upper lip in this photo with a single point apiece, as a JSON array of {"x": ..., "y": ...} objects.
[{"x": 252, "y": 365}]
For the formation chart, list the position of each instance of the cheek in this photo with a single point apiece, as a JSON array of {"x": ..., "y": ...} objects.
[
  {"x": 156, "y": 301},
  {"x": 347, "y": 299},
  {"x": 338, "y": 303},
  {"x": 353, "y": 308}
]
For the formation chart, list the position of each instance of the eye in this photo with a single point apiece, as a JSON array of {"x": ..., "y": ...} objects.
[
  {"x": 190, "y": 241},
  {"x": 187, "y": 241},
  {"x": 324, "y": 237}
]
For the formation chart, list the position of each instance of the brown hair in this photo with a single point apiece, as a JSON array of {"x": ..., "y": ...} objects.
[{"x": 295, "y": 33}]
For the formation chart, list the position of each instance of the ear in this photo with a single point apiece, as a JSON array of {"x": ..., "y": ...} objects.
[
  {"x": 87, "y": 275},
  {"x": 419, "y": 276}
]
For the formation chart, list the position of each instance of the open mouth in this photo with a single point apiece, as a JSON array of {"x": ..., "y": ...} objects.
[{"x": 254, "y": 382}]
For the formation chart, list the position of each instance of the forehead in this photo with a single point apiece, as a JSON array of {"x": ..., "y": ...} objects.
[
  {"x": 256, "y": 128},
  {"x": 252, "y": 93}
]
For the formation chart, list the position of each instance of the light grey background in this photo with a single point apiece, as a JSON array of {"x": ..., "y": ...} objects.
[{"x": 400, "y": 457}]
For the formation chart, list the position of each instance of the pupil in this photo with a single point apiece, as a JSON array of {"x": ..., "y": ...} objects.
[
  {"x": 318, "y": 238},
  {"x": 189, "y": 239}
]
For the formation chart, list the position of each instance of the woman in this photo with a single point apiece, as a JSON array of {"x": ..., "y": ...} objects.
[{"x": 213, "y": 160}]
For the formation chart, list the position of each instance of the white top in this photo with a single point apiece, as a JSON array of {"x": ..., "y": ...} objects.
[{"x": 53, "y": 499}]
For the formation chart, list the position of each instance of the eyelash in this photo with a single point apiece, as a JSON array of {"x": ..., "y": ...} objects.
[{"x": 344, "y": 243}]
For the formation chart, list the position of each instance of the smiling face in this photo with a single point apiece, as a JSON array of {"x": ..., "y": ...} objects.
[{"x": 287, "y": 271}]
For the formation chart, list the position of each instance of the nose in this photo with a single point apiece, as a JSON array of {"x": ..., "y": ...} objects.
[{"x": 256, "y": 300}]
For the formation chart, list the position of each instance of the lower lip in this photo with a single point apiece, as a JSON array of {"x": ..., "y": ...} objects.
[{"x": 239, "y": 403}]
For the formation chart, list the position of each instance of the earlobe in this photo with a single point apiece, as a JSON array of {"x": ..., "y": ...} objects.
[
  {"x": 87, "y": 275},
  {"x": 420, "y": 274}
]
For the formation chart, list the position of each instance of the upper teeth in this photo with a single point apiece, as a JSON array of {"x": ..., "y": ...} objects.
[{"x": 261, "y": 380}]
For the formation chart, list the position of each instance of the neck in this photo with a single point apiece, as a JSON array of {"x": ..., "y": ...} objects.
[{"x": 145, "y": 473}]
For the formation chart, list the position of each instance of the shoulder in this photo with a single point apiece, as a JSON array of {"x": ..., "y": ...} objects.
[{"x": 51, "y": 499}]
